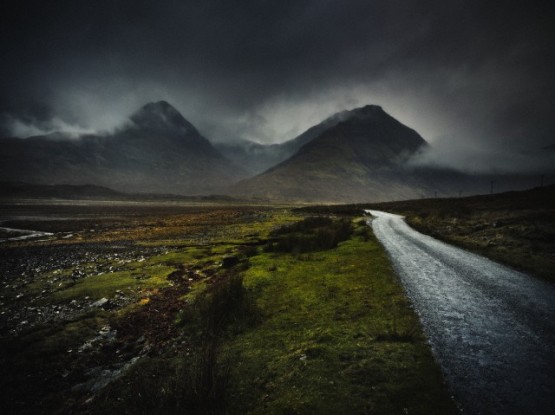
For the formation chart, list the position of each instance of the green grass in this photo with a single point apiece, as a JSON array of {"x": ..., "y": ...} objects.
[
  {"x": 136, "y": 276},
  {"x": 56, "y": 339},
  {"x": 105, "y": 285},
  {"x": 324, "y": 332},
  {"x": 337, "y": 336},
  {"x": 193, "y": 255}
]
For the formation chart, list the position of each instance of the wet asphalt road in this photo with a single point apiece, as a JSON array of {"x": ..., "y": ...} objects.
[{"x": 492, "y": 329}]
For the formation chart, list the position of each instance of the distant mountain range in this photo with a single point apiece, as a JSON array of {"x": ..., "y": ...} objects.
[
  {"x": 362, "y": 155},
  {"x": 20, "y": 190},
  {"x": 157, "y": 150}
]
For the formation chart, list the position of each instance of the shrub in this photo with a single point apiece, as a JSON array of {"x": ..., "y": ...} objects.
[
  {"x": 198, "y": 383},
  {"x": 195, "y": 385},
  {"x": 213, "y": 310},
  {"x": 315, "y": 233},
  {"x": 224, "y": 303}
]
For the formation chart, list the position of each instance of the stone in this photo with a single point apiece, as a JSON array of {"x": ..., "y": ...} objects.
[{"x": 103, "y": 302}]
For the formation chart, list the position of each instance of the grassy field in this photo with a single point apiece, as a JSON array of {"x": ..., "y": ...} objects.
[
  {"x": 204, "y": 310},
  {"x": 336, "y": 337}
]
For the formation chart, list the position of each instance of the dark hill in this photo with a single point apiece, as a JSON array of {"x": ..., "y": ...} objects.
[
  {"x": 161, "y": 116},
  {"x": 158, "y": 150},
  {"x": 363, "y": 157},
  {"x": 257, "y": 158}
]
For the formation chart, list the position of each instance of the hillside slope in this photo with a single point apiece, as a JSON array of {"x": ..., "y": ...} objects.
[
  {"x": 156, "y": 151},
  {"x": 361, "y": 158},
  {"x": 257, "y": 158}
]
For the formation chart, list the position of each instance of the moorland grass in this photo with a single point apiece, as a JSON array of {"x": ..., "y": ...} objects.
[
  {"x": 336, "y": 336},
  {"x": 327, "y": 331},
  {"x": 105, "y": 285}
]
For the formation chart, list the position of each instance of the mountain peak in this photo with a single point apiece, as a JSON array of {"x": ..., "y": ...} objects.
[
  {"x": 371, "y": 108},
  {"x": 162, "y": 116},
  {"x": 368, "y": 111}
]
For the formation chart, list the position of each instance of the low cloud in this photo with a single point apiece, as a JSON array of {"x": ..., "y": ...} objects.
[
  {"x": 17, "y": 127},
  {"x": 266, "y": 71},
  {"x": 462, "y": 156}
]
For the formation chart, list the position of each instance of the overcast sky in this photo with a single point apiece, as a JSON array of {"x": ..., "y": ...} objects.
[{"x": 474, "y": 78}]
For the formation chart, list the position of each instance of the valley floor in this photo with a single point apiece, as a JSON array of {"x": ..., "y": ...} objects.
[{"x": 206, "y": 309}]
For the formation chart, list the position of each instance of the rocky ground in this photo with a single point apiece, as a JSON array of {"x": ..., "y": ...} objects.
[
  {"x": 23, "y": 270},
  {"x": 81, "y": 306}
]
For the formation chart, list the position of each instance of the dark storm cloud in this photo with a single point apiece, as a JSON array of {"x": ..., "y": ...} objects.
[{"x": 470, "y": 75}]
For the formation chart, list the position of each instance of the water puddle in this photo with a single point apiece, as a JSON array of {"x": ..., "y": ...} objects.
[{"x": 13, "y": 234}]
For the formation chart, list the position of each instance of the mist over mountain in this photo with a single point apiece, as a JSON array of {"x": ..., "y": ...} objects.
[
  {"x": 252, "y": 156},
  {"x": 467, "y": 75},
  {"x": 367, "y": 155},
  {"x": 157, "y": 150},
  {"x": 256, "y": 157},
  {"x": 363, "y": 156},
  {"x": 358, "y": 155}
]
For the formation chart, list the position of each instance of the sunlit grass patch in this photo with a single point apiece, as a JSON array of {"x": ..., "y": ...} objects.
[
  {"x": 336, "y": 336},
  {"x": 105, "y": 285}
]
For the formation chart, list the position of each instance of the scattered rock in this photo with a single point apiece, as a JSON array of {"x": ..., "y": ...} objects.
[
  {"x": 100, "y": 378},
  {"x": 103, "y": 302}
]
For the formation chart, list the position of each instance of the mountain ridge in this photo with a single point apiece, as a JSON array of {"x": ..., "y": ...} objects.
[
  {"x": 260, "y": 157},
  {"x": 162, "y": 116},
  {"x": 365, "y": 155},
  {"x": 358, "y": 155},
  {"x": 157, "y": 150}
]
